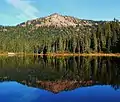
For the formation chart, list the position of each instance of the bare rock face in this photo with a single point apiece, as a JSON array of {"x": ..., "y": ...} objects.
[{"x": 56, "y": 20}]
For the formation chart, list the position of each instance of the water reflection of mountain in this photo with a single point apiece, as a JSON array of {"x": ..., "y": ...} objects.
[{"x": 63, "y": 73}]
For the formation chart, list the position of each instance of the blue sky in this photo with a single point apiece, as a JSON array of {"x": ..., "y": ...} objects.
[{"x": 13, "y": 12}]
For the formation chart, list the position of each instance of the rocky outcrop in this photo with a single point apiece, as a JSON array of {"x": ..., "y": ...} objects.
[{"x": 58, "y": 20}]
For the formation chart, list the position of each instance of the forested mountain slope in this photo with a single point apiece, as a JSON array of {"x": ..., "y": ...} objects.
[{"x": 57, "y": 33}]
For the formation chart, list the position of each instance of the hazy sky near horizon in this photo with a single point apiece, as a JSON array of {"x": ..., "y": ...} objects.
[{"x": 13, "y": 12}]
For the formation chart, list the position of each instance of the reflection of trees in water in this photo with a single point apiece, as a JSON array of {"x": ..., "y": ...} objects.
[{"x": 104, "y": 70}]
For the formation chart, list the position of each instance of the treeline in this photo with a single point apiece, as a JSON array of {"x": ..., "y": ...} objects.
[{"x": 104, "y": 37}]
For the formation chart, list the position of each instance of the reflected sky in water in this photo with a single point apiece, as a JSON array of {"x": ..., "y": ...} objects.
[{"x": 15, "y": 92}]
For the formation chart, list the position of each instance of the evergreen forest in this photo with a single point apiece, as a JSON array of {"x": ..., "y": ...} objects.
[{"x": 101, "y": 38}]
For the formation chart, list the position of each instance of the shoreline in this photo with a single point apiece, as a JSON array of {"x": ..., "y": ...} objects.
[{"x": 63, "y": 54}]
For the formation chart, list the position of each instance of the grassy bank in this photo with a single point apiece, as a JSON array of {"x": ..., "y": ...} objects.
[
  {"x": 63, "y": 54},
  {"x": 84, "y": 54}
]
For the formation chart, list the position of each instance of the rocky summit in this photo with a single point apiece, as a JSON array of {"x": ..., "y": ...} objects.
[{"x": 57, "y": 20}]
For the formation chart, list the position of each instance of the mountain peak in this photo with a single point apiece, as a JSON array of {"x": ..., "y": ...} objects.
[
  {"x": 56, "y": 20},
  {"x": 55, "y": 14}
]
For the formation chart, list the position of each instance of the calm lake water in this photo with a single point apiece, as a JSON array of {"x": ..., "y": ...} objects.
[{"x": 59, "y": 79}]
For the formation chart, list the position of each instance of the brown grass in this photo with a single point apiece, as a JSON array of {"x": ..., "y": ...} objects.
[
  {"x": 66, "y": 54},
  {"x": 85, "y": 54}
]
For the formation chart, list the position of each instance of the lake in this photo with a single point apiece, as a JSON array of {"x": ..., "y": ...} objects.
[{"x": 59, "y": 79}]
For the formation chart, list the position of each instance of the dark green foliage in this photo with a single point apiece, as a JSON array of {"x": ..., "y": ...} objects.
[{"x": 103, "y": 37}]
